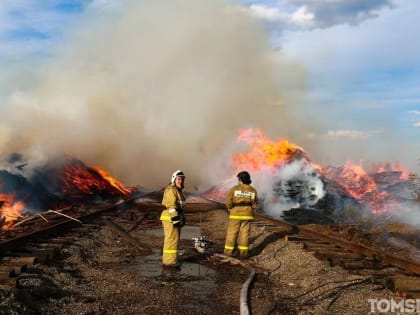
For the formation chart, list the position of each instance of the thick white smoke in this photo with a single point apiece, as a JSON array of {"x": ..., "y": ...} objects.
[
  {"x": 149, "y": 88},
  {"x": 294, "y": 185}
]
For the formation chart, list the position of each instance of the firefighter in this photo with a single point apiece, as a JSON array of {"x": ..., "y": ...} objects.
[
  {"x": 173, "y": 218},
  {"x": 241, "y": 201}
]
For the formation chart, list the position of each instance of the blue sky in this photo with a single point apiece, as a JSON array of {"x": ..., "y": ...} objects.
[{"x": 362, "y": 59}]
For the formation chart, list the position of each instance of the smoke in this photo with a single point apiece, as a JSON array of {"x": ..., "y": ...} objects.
[
  {"x": 151, "y": 87},
  {"x": 407, "y": 212},
  {"x": 295, "y": 185}
]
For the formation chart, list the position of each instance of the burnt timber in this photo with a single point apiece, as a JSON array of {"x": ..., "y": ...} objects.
[{"x": 349, "y": 255}]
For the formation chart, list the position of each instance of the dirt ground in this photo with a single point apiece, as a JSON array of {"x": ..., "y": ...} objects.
[{"x": 101, "y": 273}]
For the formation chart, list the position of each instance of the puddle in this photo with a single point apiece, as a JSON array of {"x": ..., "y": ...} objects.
[
  {"x": 201, "y": 278},
  {"x": 193, "y": 274},
  {"x": 187, "y": 232}
]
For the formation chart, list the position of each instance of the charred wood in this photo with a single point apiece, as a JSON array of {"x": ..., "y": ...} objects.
[
  {"x": 403, "y": 283},
  {"x": 120, "y": 231}
]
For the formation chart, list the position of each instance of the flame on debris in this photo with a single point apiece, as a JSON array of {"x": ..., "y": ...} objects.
[
  {"x": 64, "y": 182},
  {"x": 355, "y": 180},
  {"x": 10, "y": 210},
  {"x": 263, "y": 152},
  {"x": 387, "y": 167},
  {"x": 80, "y": 180},
  {"x": 365, "y": 184},
  {"x": 113, "y": 181}
]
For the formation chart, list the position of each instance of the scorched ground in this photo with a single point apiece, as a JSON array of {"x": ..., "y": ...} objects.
[{"x": 98, "y": 272}]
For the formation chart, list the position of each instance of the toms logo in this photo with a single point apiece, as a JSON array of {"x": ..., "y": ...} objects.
[{"x": 391, "y": 305}]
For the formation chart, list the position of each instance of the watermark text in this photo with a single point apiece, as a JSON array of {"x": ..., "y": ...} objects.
[{"x": 393, "y": 306}]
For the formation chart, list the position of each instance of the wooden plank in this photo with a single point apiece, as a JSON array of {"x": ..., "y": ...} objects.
[
  {"x": 13, "y": 268},
  {"x": 24, "y": 260},
  {"x": 299, "y": 238},
  {"x": 314, "y": 246},
  {"x": 408, "y": 264},
  {"x": 325, "y": 254},
  {"x": 5, "y": 275},
  {"x": 403, "y": 283},
  {"x": 360, "y": 265},
  {"x": 120, "y": 231}
]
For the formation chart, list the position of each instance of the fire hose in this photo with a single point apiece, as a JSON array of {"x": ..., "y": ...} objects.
[{"x": 243, "y": 299}]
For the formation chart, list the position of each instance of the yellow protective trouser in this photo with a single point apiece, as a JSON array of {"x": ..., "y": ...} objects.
[
  {"x": 238, "y": 230},
  {"x": 170, "y": 243}
]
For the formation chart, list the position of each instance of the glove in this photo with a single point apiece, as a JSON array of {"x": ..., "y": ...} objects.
[{"x": 176, "y": 220}]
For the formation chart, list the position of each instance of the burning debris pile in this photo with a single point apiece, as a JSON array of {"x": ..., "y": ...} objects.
[
  {"x": 63, "y": 181},
  {"x": 292, "y": 186}
]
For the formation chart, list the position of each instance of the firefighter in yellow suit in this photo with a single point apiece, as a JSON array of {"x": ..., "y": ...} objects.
[
  {"x": 241, "y": 201},
  {"x": 173, "y": 218}
]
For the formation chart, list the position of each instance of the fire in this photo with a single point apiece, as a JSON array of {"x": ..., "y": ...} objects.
[
  {"x": 263, "y": 152},
  {"x": 378, "y": 202},
  {"x": 355, "y": 180},
  {"x": 387, "y": 167},
  {"x": 64, "y": 181},
  {"x": 10, "y": 210},
  {"x": 79, "y": 180},
  {"x": 365, "y": 184},
  {"x": 113, "y": 181},
  {"x": 361, "y": 186}
]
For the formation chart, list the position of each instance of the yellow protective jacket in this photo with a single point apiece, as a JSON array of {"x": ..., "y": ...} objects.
[
  {"x": 174, "y": 201},
  {"x": 241, "y": 202}
]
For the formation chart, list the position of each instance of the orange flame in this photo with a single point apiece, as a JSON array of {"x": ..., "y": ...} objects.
[
  {"x": 10, "y": 210},
  {"x": 85, "y": 181},
  {"x": 386, "y": 167},
  {"x": 362, "y": 186},
  {"x": 112, "y": 181},
  {"x": 263, "y": 152},
  {"x": 356, "y": 181},
  {"x": 80, "y": 180},
  {"x": 376, "y": 202},
  {"x": 360, "y": 183}
]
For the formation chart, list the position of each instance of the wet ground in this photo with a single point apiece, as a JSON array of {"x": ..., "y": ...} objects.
[
  {"x": 194, "y": 271},
  {"x": 103, "y": 274}
]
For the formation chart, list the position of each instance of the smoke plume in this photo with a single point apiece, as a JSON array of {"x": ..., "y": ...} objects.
[
  {"x": 295, "y": 185},
  {"x": 151, "y": 87}
]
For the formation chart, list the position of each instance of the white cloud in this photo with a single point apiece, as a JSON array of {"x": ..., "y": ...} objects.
[
  {"x": 265, "y": 12},
  {"x": 352, "y": 134},
  {"x": 415, "y": 113},
  {"x": 303, "y": 16},
  {"x": 268, "y": 13},
  {"x": 343, "y": 134},
  {"x": 315, "y": 13},
  {"x": 329, "y": 13},
  {"x": 105, "y": 4},
  {"x": 377, "y": 60}
]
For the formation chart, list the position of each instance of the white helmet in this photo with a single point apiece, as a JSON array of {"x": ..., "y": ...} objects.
[{"x": 176, "y": 174}]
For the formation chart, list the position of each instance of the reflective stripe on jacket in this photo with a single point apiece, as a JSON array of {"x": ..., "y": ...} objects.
[
  {"x": 173, "y": 200},
  {"x": 241, "y": 202},
  {"x": 241, "y": 217},
  {"x": 165, "y": 216}
]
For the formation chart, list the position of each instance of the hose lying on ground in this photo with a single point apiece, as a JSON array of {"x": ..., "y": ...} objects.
[{"x": 243, "y": 300}]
